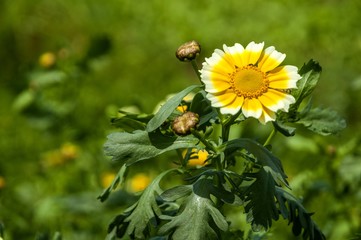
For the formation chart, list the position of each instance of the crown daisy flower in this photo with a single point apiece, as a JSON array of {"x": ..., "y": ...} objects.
[{"x": 249, "y": 79}]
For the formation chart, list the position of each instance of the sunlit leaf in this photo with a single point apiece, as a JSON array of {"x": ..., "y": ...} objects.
[
  {"x": 310, "y": 73},
  {"x": 322, "y": 121},
  {"x": 194, "y": 220},
  {"x": 166, "y": 110},
  {"x": 141, "y": 145}
]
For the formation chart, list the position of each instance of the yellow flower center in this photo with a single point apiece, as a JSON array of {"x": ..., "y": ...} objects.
[{"x": 249, "y": 82}]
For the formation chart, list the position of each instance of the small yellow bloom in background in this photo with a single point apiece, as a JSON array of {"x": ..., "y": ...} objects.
[
  {"x": 66, "y": 153},
  {"x": 107, "y": 179},
  {"x": 2, "y": 182},
  {"x": 197, "y": 157},
  {"x": 249, "y": 79},
  {"x": 139, "y": 182},
  {"x": 69, "y": 151},
  {"x": 47, "y": 59}
]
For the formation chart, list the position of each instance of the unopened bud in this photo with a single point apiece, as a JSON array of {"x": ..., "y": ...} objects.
[
  {"x": 183, "y": 124},
  {"x": 188, "y": 51}
]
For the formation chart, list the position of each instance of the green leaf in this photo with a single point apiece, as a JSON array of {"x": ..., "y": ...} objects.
[
  {"x": 260, "y": 201},
  {"x": 201, "y": 105},
  {"x": 167, "y": 109},
  {"x": 263, "y": 156},
  {"x": 193, "y": 222},
  {"x": 284, "y": 129},
  {"x": 141, "y": 145},
  {"x": 297, "y": 214},
  {"x": 117, "y": 181},
  {"x": 24, "y": 100},
  {"x": 130, "y": 121},
  {"x": 137, "y": 219},
  {"x": 322, "y": 121},
  {"x": 310, "y": 73},
  {"x": 46, "y": 79}
]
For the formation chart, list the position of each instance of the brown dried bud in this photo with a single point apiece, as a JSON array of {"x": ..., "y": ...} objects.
[
  {"x": 188, "y": 51},
  {"x": 183, "y": 124}
]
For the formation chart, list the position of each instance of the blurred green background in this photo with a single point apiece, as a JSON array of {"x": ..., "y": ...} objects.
[{"x": 67, "y": 66}]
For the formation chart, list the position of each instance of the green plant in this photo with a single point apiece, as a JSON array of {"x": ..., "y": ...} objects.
[{"x": 239, "y": 172}]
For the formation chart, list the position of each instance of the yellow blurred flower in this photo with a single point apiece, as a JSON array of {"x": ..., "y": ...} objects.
[
  {"x": 107, "y": 179},
  {"x": 57, "y": 157},
  {"x": 47, "y": 59},
  {"x": 2, "y": 182},
  {"x": 69, "y": 151},
  {"x": 197, "y": 157},
  {"x": 139, "y": 182}
]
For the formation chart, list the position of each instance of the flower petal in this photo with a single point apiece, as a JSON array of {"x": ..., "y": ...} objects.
[
  {"x": 221, "y": 99},
  {"x": 252, "y": 108},
  {"x": 276, "y": 100},
  {"x": 236, "y": 53},
  {"x": 284, "y": 77},
  {"x": 267, "y": 115},
  {"x": 252, "y": 53},
  {"x": 234, "y": 107},
  {"x": 270, "y": 59}
]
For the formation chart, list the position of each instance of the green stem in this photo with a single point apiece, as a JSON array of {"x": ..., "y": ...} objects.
[
  {"x": 226, "y": 126},
  {"x": 196, "y": 69},
  {"x": 272, "y": 134},
  {"x": 204, "y": 141}
]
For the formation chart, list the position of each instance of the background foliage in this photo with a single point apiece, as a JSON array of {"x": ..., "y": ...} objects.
[{"x": 111, "y": 54}]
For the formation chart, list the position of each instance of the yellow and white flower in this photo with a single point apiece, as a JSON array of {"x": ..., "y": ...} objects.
[{"x": 249, "y": 79}]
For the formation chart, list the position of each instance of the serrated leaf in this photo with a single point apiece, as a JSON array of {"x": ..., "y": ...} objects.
[
  {"x": 298, "y": 215},
  {"x": 141, "y": 145},
  {"x": 119, "y": 178},
  {"x": 263, "y": 157},
  {"x": 310, "y": 73},
  {"x": 137, "y": 218},
  {"x": 260, "y": 205},
  {"x": 167, "y": 109},
  {"x": 193, "y": 222},
  {"x": 322, "y": 121},
  {"x": 284, "y": 129},
  {"x": 176, "y": 192}
]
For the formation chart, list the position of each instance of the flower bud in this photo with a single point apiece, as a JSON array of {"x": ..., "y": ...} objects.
[
  {"x": 183, "y": 124},
  {"x": 188, "y": 51}
]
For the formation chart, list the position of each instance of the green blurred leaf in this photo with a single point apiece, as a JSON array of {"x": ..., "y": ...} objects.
[
  {"x": 310, "y": 73},
  {"x": 141, "y": 145},
  {"x": 167, "y": 109},
  {"x": 46, "y": 79},
  {"x": 24, "y": 100},
  {"x": 322, "y": 121}
]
